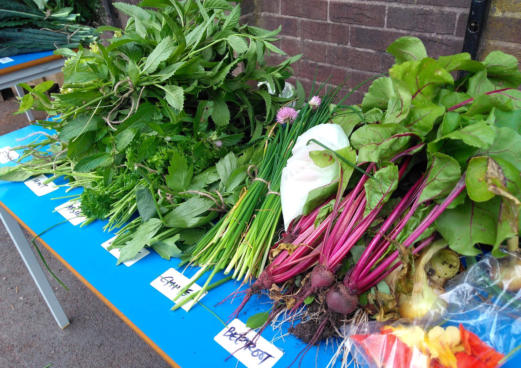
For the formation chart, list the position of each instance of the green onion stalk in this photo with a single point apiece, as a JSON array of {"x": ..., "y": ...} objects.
[{"x": 241, "y": 240}]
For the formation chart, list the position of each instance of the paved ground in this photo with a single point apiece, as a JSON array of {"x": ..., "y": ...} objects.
[{"x": 29, "y": 336}]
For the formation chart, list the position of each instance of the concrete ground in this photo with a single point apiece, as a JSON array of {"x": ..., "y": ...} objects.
[{"x": 29, "y": 336}]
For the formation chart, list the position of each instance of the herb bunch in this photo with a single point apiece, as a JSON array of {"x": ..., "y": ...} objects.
[{"x": 162, "y": 121}]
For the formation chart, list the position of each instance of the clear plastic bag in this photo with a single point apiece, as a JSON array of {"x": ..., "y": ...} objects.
[{"x": 480, "y": 326}]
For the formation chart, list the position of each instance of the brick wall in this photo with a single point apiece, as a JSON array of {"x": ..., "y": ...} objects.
[
  {"x": 503, "y": 28},
  {"x": 346, "y": 39}
]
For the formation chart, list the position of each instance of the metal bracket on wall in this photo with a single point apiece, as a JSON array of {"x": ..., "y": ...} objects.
[{"x": 475, "y": 24}]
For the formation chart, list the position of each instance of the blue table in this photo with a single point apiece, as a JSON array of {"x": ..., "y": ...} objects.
[
  {"x": 181, "y": 338},
  {"x": 27, "y": 67}
]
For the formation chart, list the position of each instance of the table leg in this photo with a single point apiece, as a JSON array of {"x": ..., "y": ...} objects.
[
  {"x": 20, "y": 92},
  {"x": 24, "y": 248}
]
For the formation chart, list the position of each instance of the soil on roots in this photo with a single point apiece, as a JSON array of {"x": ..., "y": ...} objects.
[{"x": 307, "y": 330}]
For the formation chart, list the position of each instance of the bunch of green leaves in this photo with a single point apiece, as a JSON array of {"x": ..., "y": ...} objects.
[
  {"x": 451, "y": 127},
  {"x": 166, "y": 115},
  {"x": 37, "y": 25}
]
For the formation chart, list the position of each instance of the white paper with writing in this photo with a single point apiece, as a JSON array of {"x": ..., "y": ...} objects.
[
  {"x": 38, "y": 186},
  {"x": 170, "y": 282},
  {"x": 244, "y": 344},
  {"x": 7, "y": 155},
  {"x": 5, "y": 60},
  {"x": 115, "y": 252},
  {"x": 71, "y": 211}
]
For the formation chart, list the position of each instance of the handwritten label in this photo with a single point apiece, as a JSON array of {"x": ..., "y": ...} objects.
[
  {"x": 249, "y": 348},
  {"x": 7, "y": 155},
  {"x": 115, "y": 252},
  {"x": 38, "y": 186},
  {"x": 71, "y": 211},
  {"x": 5, "y": 60},
  {"x": 169, "y": 284}
]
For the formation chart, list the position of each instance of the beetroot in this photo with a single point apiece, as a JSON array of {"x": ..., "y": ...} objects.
[
  {"x": 340, "y": 301},
  {"x": 321, "y": 277}
]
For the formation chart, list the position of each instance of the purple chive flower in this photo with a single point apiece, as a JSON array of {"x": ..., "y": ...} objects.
[
  {"x": 286, "y": 115},
  {"x": 218, "y": 143},
  {"x": 315, "y": 102}
]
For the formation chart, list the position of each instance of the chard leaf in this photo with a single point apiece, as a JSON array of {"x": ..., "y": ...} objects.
[
  {"x": 480, "y": 135},
  {"x": 461, "y": 61},
  {"x": 378, "y": 142},
  {"x": 380, "y": 188},
  {"x": 485, "y": 103},
  {"x": 422, "y": 118},
  {"x": 379, "y": 93},
  {"x": 469, "y": 224},
  {"x": 141, "y": 238},
  {"x": 508, "y": 119},
  {"x": 499, "y": 64},
  {"x": 14, "y": 173},
  {"x": 92, "y": 162},
  {"x": 479, "y": 84},
  {"x": 167, "y": 248},
  {"x": 444, "y": 173},
  {"x": 348, "y": 119},
  {"x": 191, "y": 213},
  {"x": 407, "y": 48},
  {"x": 476, "y": 180},
  {"x": 506, "y": 146},
  {"x": 179, "y": 172},
  {"x": 257, "y": 320},
  {"x": 145, "y": 203}
]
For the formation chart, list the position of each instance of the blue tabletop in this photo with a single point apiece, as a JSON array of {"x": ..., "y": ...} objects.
[
  {"x": 188, "y": 338},
  {"x": 23, "y": 58}
]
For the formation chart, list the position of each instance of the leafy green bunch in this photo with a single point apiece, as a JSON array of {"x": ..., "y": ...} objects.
[
  {"x": 39, "y": 25},
  {"x": 467, "y": 127},
  {"x": 162, "y": 120}
]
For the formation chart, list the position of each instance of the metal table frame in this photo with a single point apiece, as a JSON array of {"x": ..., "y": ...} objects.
[
  {"x": 24, "y": 249},
  {"x": 28, "y": 72}
]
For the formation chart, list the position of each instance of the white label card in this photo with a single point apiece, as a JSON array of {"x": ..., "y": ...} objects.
[
  {"x": 249, "y": 348},
  {"x": 6, "y": 155},
  {"x": 5, "y": 60},
  {"x": 71, "y": 211},
  {"x": 115, "y": 252},
  {"x": 38, "y": 186},
  {"x": 170, "y": 282}
]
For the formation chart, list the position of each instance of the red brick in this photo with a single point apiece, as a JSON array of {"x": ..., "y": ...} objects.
[
  {"x": 354, "y": 98},
  {"x": 374, "y": 39},
  {"x": 338, "y": 55},
  {"x": 358, "y": 77},
  {"x": 366, "y": 60},
  {"x": 321, "y": 73},
  {"x": 421, "y": 20},
  {"x": 452, "y": 3},
  {"x": 268, "y": 6},
  {"x": 357, "y": 13},
  {"x": 438, "y": 46},
  {"x": 322, "y": 31},
  {"x": 291, "y": 46},
  {"x": 461, "y": 24},
  {"x": 247, "y": 7},
  {"x": 504, "y": 29},
  {"x": 289, "y": 25},
  {"x": 311, "y": 9},
  {"x": 314, "y": 51}
]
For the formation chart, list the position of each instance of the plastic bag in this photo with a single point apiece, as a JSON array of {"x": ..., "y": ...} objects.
[
  {"x": 480, "y": 326},
  {"x": 301, "y": 175}
]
